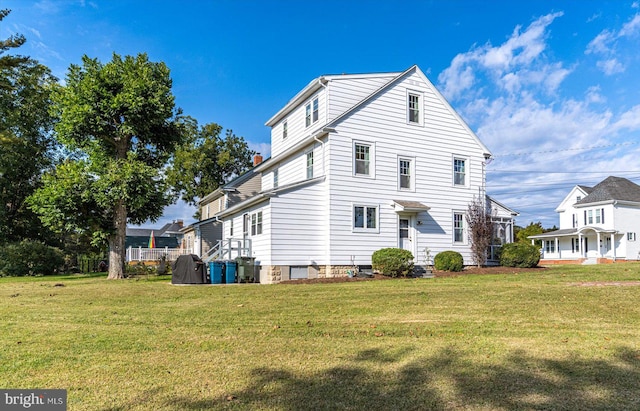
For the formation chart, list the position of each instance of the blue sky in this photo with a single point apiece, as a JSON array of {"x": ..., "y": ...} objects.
[{"x": 551, "y": 87}]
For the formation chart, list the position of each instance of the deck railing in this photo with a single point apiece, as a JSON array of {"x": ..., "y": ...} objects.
[{"x": 155, "y": 254}]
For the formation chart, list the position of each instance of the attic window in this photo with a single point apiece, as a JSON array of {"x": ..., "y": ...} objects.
[
  {"x": 414, "y": 107},
  {"x": 311, "y": 112},
  {"x": 285, "y": 130}
]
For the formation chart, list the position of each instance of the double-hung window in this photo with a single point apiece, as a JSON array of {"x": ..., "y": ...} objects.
[
  {"x": 459, "y": 171},
  {"x": 311, "y": 112},
  {"x": 285, "y": 129},
  {"x": 256, "y": 223},
  {"x": 590, "y": 214},
  {"x": 458, "y": 227},
  {"x": 413, "y": 108},
  {"x": 365, "y": 217},
  {"x": 405, "y": 174},
  {"x": 362, "y": 159},
  {"x": 275, "y": 178},
  {"x": 631, "y": 236},
  {"x": 309, "y": 165}
]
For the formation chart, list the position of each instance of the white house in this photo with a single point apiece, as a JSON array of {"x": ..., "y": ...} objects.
[
  {"x": 597, "y": 224},
  {"x": 359, "y": 163}
]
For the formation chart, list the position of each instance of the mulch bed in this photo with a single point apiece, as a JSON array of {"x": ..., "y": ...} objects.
[{"x": 466, "y": 271}]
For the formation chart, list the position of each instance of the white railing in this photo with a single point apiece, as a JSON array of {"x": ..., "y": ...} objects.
[
  {"x": 228, "y": 249},
  {"x": 155, "y": 254}
]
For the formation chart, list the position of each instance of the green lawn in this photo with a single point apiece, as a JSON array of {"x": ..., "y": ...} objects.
[{"x": 519, "y": 341}]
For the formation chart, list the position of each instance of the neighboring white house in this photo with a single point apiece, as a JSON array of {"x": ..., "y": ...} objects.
[
  {"x": 359, "y": 163},
  {"x": 597, "y": 224}
]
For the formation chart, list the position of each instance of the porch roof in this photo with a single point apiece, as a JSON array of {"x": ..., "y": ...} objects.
[
  {"x": 409, "y": 206},
  {"x": 571, "y": 232}
]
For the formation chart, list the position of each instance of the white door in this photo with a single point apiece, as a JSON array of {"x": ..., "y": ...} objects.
[{"x": 405, "y": 233}]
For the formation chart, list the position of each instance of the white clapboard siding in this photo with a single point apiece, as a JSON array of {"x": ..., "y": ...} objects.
[
  {"x": 346, "y": 91},
  {"x": 432, "y": 146},
  {"x": 296, "y": 127}
]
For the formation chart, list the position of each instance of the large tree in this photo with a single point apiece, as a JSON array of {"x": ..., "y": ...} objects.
[
  {"x": 207, "y": 160},
  {"x": 27, "y": 145},
  {"x": 121, "y": 122}
]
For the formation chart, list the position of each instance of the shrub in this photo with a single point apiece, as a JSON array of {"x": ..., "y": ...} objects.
[
  {"x": 449, "y": 261},
  {"x": 30, "y": 258},
  {"x": 519, "y": 255},
  {"x": 392, "y": 261}
]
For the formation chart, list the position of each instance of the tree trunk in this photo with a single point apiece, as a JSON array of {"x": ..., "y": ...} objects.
[{"x": 117, "y": 242}]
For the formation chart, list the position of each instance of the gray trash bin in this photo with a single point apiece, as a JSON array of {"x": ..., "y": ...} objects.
[{"x": 245, "y": 269}]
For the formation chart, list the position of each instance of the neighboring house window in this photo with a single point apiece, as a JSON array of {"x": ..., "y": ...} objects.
[
  {"x": 405, "y": 173},
  {"x": 585, "y": 217},
  {"x": 309, "y": 165},
  {"x": 458, "y": 227},
  {"x": 362, "y": 158},
  {"x": 598, "y": 210},
  {"x": 550, "y": 246},
  {"x": 275, "y": 178},
  {"x": 578, "y": 198},
  {"x": 231, "y": 228},
  {"x": 256, "y": 223},
  {"x": 285, "y": 129},
  {"x": 413, "y": 106},
  {"x": 307, "y": 115},
  {"x": 459, "y": 171},
  {"x": 631, "y": 236},
  {"x": 315, "y": 109},
  {"x": 365, "y": 217},
  {"x": 575, "y": 245},
  {"x": 590, "y": 214}
]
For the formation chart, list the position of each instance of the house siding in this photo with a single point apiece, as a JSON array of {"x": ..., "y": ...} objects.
[
  {"x": 383, "y": 122},
  {"x": 297, "y": 130}
]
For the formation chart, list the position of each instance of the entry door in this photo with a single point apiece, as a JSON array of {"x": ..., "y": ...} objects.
[{"x": 405, "y": 234}]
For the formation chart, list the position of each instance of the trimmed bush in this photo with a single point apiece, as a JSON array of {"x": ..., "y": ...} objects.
[
  {"x": 519, "y": 255},
  {"x": 30, "y": 258},
  {"x": 392, "y": 261},
  {"x": 448, "y": 261}
]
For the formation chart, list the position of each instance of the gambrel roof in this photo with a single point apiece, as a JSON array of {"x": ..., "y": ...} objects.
[{"x": 612, "y": 189}]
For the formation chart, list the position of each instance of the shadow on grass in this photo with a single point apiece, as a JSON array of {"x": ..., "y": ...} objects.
[{"x": 445, "y": 381}]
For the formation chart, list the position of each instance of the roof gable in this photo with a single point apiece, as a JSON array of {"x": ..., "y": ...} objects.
[
  {"x": 570, "y": 199},
  {"x": 395, "y": 80}
]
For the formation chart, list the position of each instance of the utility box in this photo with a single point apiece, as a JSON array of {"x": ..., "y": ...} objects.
[{"x": 245, "y": 269}]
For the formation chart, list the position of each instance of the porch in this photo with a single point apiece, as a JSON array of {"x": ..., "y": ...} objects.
[{"x": 141, "y": 254}]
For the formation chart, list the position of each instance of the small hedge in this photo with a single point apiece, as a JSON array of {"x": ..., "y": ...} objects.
[
  {"x": 30, "y": 258},
  {"x": 448, "y": 261},
  {"x": 392, "y": 261},
  {"x": 519, "y": 255}
]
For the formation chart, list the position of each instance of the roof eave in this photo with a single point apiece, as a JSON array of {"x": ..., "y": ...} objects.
[{"x": 302, "y": 95}]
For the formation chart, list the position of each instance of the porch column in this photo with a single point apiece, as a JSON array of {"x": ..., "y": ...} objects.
[
  {"x": 613, "y": 246},
  {"x": 557, "y": 246},
  {"x": 580, "y": 250}
]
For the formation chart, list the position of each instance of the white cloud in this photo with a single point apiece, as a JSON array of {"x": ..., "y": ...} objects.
[
  {"x": 610, "y": 67},
  {"x": 510, "y": 62},
  {"x": 606, "y": 42},
  {"x": 629, "y": 120}
]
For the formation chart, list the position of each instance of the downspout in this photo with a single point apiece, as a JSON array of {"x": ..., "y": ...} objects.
[{"x": 322, "y": 83}]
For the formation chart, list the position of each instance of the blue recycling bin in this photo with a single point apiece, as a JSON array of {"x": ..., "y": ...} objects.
[
  {"x": 215, "y": 271},
  {"x": 230, "y": 271}
]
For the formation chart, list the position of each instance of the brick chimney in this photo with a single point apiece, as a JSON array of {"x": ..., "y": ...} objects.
[{"x": 257, "y": 159}]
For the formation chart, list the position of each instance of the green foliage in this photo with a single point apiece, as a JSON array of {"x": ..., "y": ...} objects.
[
  {"x": 531, "y": 229},
  {"x": 27, "y": 146},
  {"x": 448, "y": 261},
  {"x": 30, "y": 257},
  {"x": 519, "y": 255},
  {"x": 392, "y": 261},
  {"x": 207, "y": 160},
  {"x": 120, "y": 120}
]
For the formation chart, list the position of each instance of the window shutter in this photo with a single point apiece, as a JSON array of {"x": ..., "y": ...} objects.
[
  {"x": 585, "y": 217},
  {"x": 602, "y": 213}
]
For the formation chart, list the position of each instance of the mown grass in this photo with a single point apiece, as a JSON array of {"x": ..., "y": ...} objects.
[{"x": 518, "y": 341}]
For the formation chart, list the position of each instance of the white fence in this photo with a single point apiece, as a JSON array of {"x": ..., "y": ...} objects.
[{"x": 155, "y": 254}]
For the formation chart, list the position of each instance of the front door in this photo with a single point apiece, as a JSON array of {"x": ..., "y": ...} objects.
[{"x": 405, "y": 234}]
